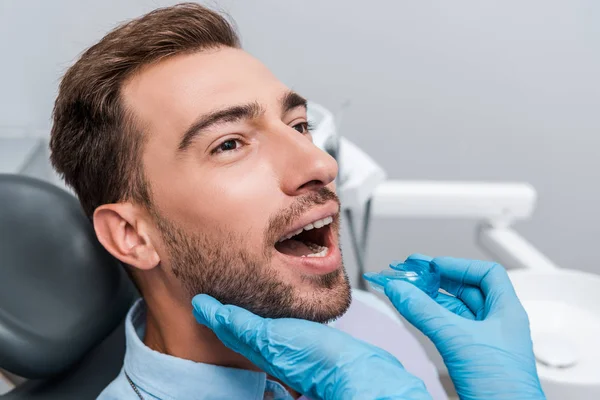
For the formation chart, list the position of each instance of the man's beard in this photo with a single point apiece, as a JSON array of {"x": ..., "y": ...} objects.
[{"x": 221, "y": 264}]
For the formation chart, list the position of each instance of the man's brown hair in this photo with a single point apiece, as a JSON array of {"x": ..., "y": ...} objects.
[{"x": 95, "y": 141}]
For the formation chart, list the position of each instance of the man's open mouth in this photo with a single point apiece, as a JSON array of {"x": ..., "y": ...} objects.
[{"x": 312, "y": 240}]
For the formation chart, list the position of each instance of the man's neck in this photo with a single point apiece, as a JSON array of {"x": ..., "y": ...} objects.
[{"x": 172, "y": 329}]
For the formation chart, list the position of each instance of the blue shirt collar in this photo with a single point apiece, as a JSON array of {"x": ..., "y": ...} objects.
[{"x": 169, "y": 377}]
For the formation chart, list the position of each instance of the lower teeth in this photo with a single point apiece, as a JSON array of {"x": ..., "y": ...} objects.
[{"x": 319, "y": 251}]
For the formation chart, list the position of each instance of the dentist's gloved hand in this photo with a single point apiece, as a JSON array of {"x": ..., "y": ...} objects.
[
  {"x": 313, "y": 359},
  {"x": 482, "y": 331}
]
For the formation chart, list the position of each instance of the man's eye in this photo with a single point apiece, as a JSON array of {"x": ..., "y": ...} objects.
[
  {"x": 228, "y": 145},
  {"x": 303, "y": 127}
]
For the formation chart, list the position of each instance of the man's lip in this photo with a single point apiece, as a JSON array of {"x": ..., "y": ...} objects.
[{"x": 329, "y": 209}]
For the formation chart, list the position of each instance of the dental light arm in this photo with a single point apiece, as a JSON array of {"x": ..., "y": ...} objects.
[
  {"x": 495, "y": 205},
  {"x": 512, "y": 250},
  {"x": 498, "y": 203}
]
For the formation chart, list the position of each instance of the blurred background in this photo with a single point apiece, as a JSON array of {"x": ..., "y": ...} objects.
[{"x": 462, "y": 90}]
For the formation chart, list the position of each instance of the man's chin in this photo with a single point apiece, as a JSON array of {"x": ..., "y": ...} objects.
[
  {"x": 328, "y": 281},
  {"x": 330, "y": 298}
]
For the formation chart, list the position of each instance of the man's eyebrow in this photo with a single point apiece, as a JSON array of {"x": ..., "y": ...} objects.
[
  {"x": 291, "y": 100},
  {"x": 230, "y": 114}
]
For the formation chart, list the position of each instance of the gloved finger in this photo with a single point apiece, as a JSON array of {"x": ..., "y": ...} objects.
[
  {"x": 205, "y": 309},
  {"x": 256, "y": 341},
  {"x": 488, "y": 276},
  {"x": 247, "y": 327},
  {"x": 418, "y": 308},
  {"x": 240, "y": 325},
  {"x": 470, "y": 295},
  {"x": 210, "y": 312},
  {"x": 454, "y": 305}
]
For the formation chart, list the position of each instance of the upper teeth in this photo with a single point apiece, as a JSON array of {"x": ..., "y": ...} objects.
[{"x": 317, "y": 224}]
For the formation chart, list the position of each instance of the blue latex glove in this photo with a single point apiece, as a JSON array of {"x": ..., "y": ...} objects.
[
  {"x": 313, "y": 359},
  {"x": 481, "y": 331}
]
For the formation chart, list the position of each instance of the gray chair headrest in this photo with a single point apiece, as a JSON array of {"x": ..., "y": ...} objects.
[{"x": 61, "y": 292}]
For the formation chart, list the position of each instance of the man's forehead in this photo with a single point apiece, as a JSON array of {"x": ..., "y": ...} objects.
[{"x": 172, "y": 93}]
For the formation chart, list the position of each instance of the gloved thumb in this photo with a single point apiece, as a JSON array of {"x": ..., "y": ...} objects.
[
  {"x": 205, "y": 310},
  {"x": 227, "y": 321},
  {"x": 213, "y": 314},
  {"x": 237, "y": 328},
  {"x": 245, "y": 326},
  {"x": 417, "y": 307}
]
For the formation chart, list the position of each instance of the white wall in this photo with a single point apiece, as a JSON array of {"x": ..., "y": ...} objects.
[{"x": 503, "y": 90}]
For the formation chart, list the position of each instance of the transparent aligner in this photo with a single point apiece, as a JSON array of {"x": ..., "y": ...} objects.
[{"x": 423, "y": 274}]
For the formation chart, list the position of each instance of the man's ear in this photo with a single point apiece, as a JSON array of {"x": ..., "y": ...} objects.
[{"x": 125, "y": 233}]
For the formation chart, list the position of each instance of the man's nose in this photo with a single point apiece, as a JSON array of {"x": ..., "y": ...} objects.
[{"x": 302, "y": 166}]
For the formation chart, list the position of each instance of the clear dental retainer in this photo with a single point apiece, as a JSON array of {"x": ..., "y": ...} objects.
[{"x": 423, "y": 274}]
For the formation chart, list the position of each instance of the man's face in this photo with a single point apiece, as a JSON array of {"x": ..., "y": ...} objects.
[{"x": 243, "y": 202}]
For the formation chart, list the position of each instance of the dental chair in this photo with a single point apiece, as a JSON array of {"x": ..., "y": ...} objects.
[{"x": 63, "y": 298}]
